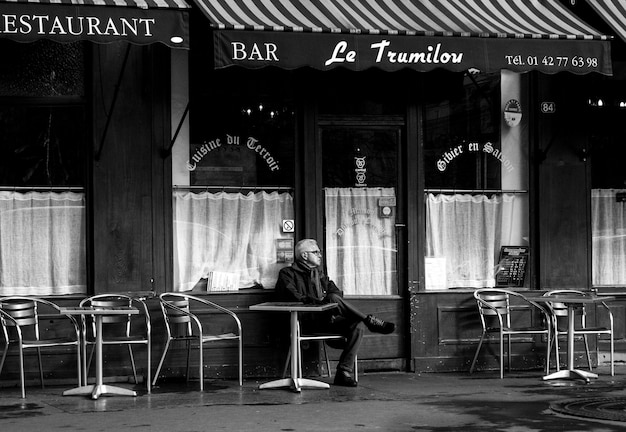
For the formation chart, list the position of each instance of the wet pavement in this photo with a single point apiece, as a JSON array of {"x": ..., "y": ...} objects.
[{"x": 382, "y": 402}]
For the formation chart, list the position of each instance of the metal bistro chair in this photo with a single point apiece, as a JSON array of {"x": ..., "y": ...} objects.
[
  {"x": 559, "y": 325},
  {"x": 118, "y": 330},
  {"x": 20, "y": 320},
  {"x": 494, "y": 307},
  {"x": 321, "y": 337},
  {"x": 183, "y": 323}
]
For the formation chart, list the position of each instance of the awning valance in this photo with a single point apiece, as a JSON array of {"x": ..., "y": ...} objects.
[
  {"x": 614, "y": 13},
  {"x": 489, "y": 35},
  {"x": 139, "y": 22}
]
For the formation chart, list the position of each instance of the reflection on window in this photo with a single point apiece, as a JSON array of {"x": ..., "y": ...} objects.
[
  {"x": 462, "y": 134},
  {"x": 361, "y": 245},
  {"x": 228, "y": 218},
  {"x": 229, "y": 240},
  {"x": 42, "y": 246},
  {"x": 608, "y": 215},
  {"x": 42, "y": 165},
  {"x": 608, "y": 181},
  {"x": 470, "y": 214},
  {"x": 41, "y": 146},
  {"x": 464, "y": 234},
  {"x": 42, "y": 68},
  {"x": 359, "y": 175}
]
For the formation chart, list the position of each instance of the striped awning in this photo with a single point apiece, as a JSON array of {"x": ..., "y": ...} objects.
[
  {"x": 614, "y": 13},
  {"x": 489, "y": 35},
  {"x": 139, "y": 22}
]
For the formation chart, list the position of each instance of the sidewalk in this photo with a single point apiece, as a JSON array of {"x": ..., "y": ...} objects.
[{"x": 382, "y": 402}]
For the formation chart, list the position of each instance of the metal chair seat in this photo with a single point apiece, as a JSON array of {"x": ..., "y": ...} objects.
[
  {"x": 119, "y": 330},
  {"x": 495, "y": 304},
  {"x": 559, "y": 314},
  {"x": 320, "y": 337},
  {"x": 183, "y": 323},
  {"x": 20, "y": 319}
]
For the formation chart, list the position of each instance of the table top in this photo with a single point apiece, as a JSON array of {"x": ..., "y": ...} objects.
[
  {"x": 568, "y": 298},
  {"x": 100, "y": 310},
  {"x": 292, "y": 307}
]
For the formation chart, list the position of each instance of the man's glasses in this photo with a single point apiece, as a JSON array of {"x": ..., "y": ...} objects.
[{"x": 316, "y": 252}]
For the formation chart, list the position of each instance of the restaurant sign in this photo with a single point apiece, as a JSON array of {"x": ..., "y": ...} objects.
[
  {"x": 70, "y": 23},
  {"x": 291, "y": 50}
]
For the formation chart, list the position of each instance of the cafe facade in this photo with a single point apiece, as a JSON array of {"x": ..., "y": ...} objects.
[{"x": 428, "y": 155}]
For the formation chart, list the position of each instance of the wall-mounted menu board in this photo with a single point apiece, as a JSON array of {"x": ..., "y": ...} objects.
[{"x": 512, "y": 266}]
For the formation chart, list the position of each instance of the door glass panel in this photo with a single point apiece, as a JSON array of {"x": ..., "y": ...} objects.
[{"x": 359, "y": 180}]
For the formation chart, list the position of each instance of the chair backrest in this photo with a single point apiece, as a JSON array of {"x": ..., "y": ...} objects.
[
  {"x": 492, "y": 302},
  {"x": 23, "y": 312},
  {"x": 123, "y": 322},
  {"x": 559, "y": 309},
  {"x": 175, "y": 311}
]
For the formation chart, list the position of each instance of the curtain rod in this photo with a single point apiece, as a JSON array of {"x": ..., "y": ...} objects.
[
  {"x": 476, "y": 191},
  {"x": 42, "y": 188},
  {"x": 238, "y": 188}
]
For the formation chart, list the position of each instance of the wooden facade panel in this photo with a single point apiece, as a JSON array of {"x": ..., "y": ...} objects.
[
  {"x": 457, "y": 324},
  {"x": 562, "y": 243},
  {"x": 128, "y": 170}
]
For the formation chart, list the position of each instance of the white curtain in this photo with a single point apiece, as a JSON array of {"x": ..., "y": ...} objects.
[
  {"x": 608, "y": 220},
  {"x": 229, "y": 232},
  {"x": 361, "y": 246},
  {"x": 42, "y": 243},
  {"x": 468, "y": 231}
]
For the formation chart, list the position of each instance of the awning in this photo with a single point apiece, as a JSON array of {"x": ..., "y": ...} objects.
[
  {"x": 489, "y": 35},
  {"x": 139, "y": 22},
  {"x": 613, "y": 12}
]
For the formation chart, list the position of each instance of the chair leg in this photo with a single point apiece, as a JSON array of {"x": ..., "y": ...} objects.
[
  {"x": 480, "y": 344},
  {"x": 299, "y": 359},
  {"x": 79, "y": 364},
  {"x": 4, "y": 355},
  {"x": 201, "y": 371},
  {"x": 240, "y": 361},
  {"x": 149, "y": 368},
  {"x": 40, "y": 366},
  {"x": 557, "y": 353},
  {"x": 549, "y": 343},
  {"x": 188, "y": 354},
  {"x": 21, "y": 357},
  {"x": 158, "y": 370},
  {"x": 326, "y": 357},
  {"x": 508, "y": 352},
  {"x": 502, "y": 356},
  {"x": 587, "y": 352},
  {"x": 612, "y": 350},
  {"x": 132, "y": 362},
  {"x": 93, "y": 348},
  {"x": 286, "y": 367},
  {"x": 84, "y": 361}
]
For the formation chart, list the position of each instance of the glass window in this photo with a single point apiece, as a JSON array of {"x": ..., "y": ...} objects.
[
  {"x": 42, "y": 68},
  {"x": 476, "y": 174},
  {"x": 233, "y": 221},
  {"x": 42, "y": 169},
  {"x": 360, "y": 169},
  {"x": 607, "y": 112}
]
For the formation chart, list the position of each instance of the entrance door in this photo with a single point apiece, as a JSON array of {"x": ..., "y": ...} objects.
[{"x": 363, "y": 220}]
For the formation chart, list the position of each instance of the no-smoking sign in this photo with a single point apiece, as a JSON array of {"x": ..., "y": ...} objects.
[{"x": 288, "y": 225}]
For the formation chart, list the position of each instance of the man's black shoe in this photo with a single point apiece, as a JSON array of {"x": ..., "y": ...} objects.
[
  {"x": 344, "y": 379},
  {"x": 377, "y": 325}
]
